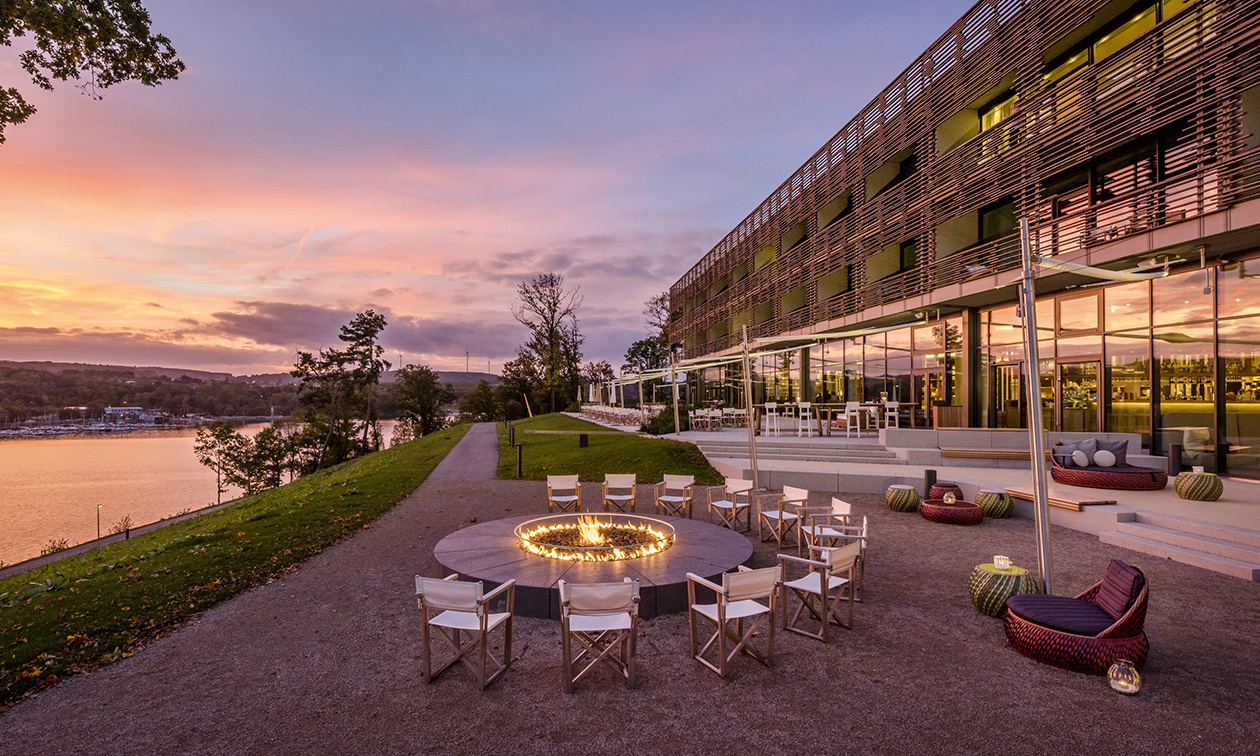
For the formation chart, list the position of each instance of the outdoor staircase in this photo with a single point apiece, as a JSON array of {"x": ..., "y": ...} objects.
[
  {"x": 800, "y": 452},
  {"x": 1220, "y": 548}
]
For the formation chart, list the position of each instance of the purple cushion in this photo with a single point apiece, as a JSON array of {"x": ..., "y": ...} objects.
[
  {"x": 1062, "y": 613},
  {"x": 1120, "y": 587},
  {"x": 1118, "y": 448}
]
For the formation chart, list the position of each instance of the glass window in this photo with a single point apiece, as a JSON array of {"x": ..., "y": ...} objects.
[
  {"x": 997, "y": 113},
  {"x": 1080, "y": 346},
  {"x": 1185, "y": 362},
  {"x": 898, "y": 342},
  {"x": 1128, "y": 367},
  {"x": 1004, "y": 327},
  {"x": 1061, "y": 71},
  {"x": 1180, "y": 299},
  {"x": 1240, "y": 353},
  {"x": 1238, "y": 286},
  {"x": 997, "y": 220},
  {"x": 1127, "y": 306},
  {"x": 1131, "y": 30},
  {"x": 1079, "y": 314},
  {"x": 1045, "y": 319}
]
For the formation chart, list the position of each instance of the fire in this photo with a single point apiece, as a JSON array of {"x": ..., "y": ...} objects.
[{"x": 586, "y": 538}]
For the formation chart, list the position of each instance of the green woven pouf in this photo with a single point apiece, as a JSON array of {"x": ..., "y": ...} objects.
[
  {"x": 995, "y": 502},
  {"x": 990, "y": 587},
  {"x": 902, "y": 498},
  {"x": 1193, "y": 486}
]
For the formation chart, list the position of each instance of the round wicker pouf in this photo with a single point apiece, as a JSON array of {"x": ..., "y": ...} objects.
[
  {"x": 959, "y": 513},
  {"x": 1193, "y": 486},
  {"x": 902, "y": 498},
  {"x": 990, "y": 587},
  {"x": 941, "y": 488},
  {"x": 995, "y": 502}
]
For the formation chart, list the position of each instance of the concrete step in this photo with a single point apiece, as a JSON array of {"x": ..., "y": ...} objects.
[
  {"x": 1215, "y": 546},
  {"x": 761, "y": 444},
  {"x": 743, "y": 458},
  {"x": 1236, "y": 535},
  {"x": 1225, "y": 565}
]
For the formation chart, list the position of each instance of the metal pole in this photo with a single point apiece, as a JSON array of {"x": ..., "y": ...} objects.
[
  {"x": 673, "y": 381},
  {"x": 751, "y": 414},
  {"x": 1032, "y": 369},
  {"x": 98, "y": 522}
]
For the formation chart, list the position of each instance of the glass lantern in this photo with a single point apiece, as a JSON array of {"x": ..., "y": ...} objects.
[
  {"x": 949, "y": 497},
  {"x": 1123, "y": 677}
]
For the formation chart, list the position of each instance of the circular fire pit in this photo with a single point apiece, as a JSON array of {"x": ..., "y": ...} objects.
[
  {"x": 493, "y": 552},
  {"x": 595, "y": 538}
]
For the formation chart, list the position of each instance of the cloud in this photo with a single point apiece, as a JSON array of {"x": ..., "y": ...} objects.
[{"x": 133, "y": 348}]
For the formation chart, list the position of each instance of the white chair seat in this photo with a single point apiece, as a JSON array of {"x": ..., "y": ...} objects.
[
  {"x": 598, "y": 623},
  {"x": 675, "y": 499},
  {"x": 724, "y": 504},
  {"x": 618, "y": 497},
  {"x": 812, "y": 583},
  {"x": 734, "y": 610},
  {"x": 565, "y": 498},
  {"x": 774, "y": 514},
  {"x": 821, "y": 531},
  {"x": 468, "y": 620}
]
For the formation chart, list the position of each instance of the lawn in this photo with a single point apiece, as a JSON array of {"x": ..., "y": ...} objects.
[
  {"x": 97, "y": 607},
  {"x": 607, "y": 452}
]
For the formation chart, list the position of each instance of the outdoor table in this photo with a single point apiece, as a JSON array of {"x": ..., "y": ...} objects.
[{"x": 990, "y": 587}]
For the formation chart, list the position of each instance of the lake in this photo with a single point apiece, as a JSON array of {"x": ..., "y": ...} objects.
[{"x": 51, "y": 488}]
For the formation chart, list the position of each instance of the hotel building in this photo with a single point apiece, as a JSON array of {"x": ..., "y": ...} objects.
[{"x": 1127, "y": 133}]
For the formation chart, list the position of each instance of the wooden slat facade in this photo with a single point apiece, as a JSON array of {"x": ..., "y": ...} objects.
[{"x": 1184, "y": 78}]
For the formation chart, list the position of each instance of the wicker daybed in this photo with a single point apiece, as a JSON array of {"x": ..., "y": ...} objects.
[
  {"x": 1126, "y": 478},
  {"x": 1086, "y": 633}
]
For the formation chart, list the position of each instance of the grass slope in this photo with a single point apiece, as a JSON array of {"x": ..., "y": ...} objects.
[
  {"x": 97, "y": 607},
  {"x": 608, "y": 452}
]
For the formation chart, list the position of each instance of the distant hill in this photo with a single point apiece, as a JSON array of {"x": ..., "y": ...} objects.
[{"x": 140, "y": 372}]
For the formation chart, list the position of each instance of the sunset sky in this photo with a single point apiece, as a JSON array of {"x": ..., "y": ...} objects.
[{"x": 420, "y": 158}]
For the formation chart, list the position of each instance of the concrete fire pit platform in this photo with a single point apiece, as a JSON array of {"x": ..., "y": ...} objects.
[{"x": 489, "y": 551}]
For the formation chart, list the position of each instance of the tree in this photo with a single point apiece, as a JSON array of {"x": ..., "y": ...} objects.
[
  {"x": 220, "y": 447},
  {"x": 421, "y": 398},
  {"x": 98, "y": 42},
  {"x": 549, "y": 311},
  {"x": 479, "y": 405},
  {"x": 652, "y": 352},
  {"x": 336, "y": 384}
]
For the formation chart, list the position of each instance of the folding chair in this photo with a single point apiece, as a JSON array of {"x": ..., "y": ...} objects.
[
  {"x": 822, "y": 590},
  {"x": 464, "y": 610},
  {"x": 817, "y": 525},
  {"x": 780, "y": 519},
  {"x": 736, "y": 497},
  {"x": 604, "y": 617},
  {"x": 737, "y": 601},
  {"x": 557, "y": 485},
  {"x": 677, "y": 503},
  {"x": 623, "y": 489}
]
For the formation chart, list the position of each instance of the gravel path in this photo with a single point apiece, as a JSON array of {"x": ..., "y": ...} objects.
[{"x": 326, "y": 662}]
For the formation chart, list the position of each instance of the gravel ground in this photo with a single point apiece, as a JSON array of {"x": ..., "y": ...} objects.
[{"x": 327, "y": 661}]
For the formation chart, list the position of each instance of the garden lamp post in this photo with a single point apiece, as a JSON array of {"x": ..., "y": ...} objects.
[{"x": 98, "y": 521}]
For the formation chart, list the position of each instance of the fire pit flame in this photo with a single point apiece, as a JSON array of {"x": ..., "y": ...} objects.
[{"x": 590, "y": 538}]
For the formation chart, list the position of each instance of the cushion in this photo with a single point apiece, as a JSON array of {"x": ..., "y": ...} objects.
[
  {"x": 1104, "y": 458},
  {"x": 1062, "y": 453},
  {"x": 1062, "y": 613},
  {"x": 1120, "y": 587},
  {"x": 1118, "y": 448},
  {"x": 1081, "y": 458}
]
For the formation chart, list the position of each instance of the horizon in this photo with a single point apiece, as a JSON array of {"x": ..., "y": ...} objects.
[{"x": 315, "y": 162}]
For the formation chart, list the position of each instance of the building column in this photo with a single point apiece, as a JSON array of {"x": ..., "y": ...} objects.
[
  {"x": 969, "y": 371},
  {"x": 807, "y": 390}
]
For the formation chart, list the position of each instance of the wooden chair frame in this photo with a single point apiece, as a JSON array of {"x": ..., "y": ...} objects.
[
  {"x": 562, "y": 502},
  {"x": 821, "y": 591},
  {"x": 620, "y": 482},
  {"x": 780, "y": 519},
  {"x": 818, "y": 524},
  {"x": 464, "y": 610},
  {"x": 673, "y": 504},
  {"x": 736, "y": 604},
  {"x": 728, "y": 507},
  {"x": 607, "y": 627}
]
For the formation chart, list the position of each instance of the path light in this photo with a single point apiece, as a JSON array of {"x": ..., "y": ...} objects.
[
  {"x": 1123, "y": 677},
  {"x": 1002, "y": 562}
]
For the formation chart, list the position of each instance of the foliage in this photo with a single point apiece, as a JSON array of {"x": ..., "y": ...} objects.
[
  {"x": 55, "y": 545},
  {"x": 340, "y": 387},
  {"x": 663, "y": 423},
  {"x": 421, "y": 398},
  {"x": 480, "y": 405},
  {"x": 652, "y": 352},
  {"x": 26, "y": 393},
  {"x": 554, "y": 348},
  {"x": 106, "y": 42},
  {"x": 94, "y": 608},
  {"x": 222, "y": 449},
  {"x": 607, "y": 452},
  {"x": 122, "y": 526}
]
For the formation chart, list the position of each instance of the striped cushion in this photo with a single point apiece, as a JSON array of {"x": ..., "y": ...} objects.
[
  {"x": 1062, "y": 613},
  {"x": 1120, "y": 586}
]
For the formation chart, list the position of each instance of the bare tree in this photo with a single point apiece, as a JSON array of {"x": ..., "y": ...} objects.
[{"x": 549, "y": 311}]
